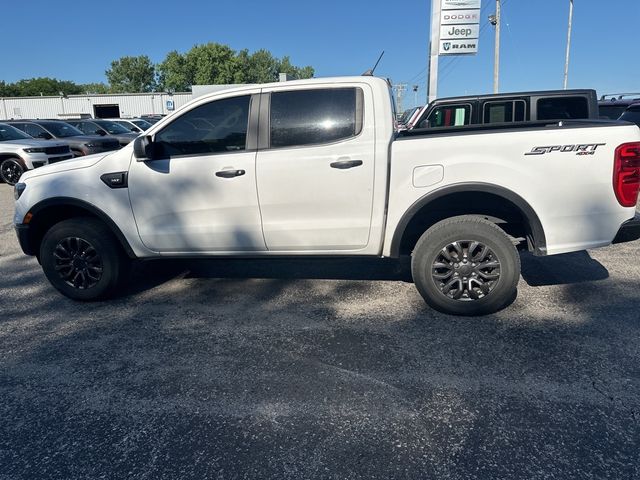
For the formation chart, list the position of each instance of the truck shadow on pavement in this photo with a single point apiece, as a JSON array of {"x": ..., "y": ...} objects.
[
  {"x": 536, "y": 271},
  {"x": 562, "y": 269}
]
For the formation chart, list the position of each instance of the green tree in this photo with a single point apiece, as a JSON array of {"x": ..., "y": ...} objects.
[
  {"x": 263, "y": 67},
  {"x": 242, "y": 67},
  {"x": 95, "y": 88},
  {"x": 285, "y": 66},
  {"x": 211, "y": 63},
  {"x": 33, "y": 87},
  {"x": 174, "y": 74},
  {"x": 7, "y": 89},
  {"x": 131, "y": 75},
  {"x": 214, "y": 63}
]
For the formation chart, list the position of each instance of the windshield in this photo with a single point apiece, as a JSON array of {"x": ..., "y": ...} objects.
[
  {"x": 61, "y": 129},
  {"x": 112, "y": 127},
  {"x": 7, "y": 132},
  {"x": 143, "y": 124}
]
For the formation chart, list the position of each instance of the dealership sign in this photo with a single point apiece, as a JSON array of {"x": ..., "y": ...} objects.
[
  {"x": 460, "y": 4},
  {"x": 459, "y": 27}
]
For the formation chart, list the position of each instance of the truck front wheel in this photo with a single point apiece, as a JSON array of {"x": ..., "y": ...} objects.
[
  {"x": 82, "y": 259},
  {"x": 466, "y": 266}
]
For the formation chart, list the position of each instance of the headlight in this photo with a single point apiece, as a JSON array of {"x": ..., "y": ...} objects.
[
  {"x": 18, "y": 189},
  {"x": 35, "y": 150}
]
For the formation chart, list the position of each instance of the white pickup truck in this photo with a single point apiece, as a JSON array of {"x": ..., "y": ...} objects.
[{"x": 315, "y": 167}]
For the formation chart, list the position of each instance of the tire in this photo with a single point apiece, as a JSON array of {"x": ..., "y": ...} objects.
[
  {"x": 11, "y": 170},
  {"x": 466, "y": 266},
  {"x": 83, "y": 260}
]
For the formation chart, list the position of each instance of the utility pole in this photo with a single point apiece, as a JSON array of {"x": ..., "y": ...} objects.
[
  {"x": 566, "y": 60},
  {"x": 496, "y": 22},
  {"x": 434, "y": 51},
  {"x": 415, "y": 95},
  {"x": 400, "y": 88}
]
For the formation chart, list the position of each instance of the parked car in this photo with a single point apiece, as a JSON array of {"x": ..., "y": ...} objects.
[
  {"x": 79, "y": 143},
  {"x": 507, "y": 108},
  {"x": 19, "y": 152},
  {"x": 632, "y": 114},
  {"x": 406, "y": 117},
  {"x": 104, "y": 128},
  {"x": 611, "y": 106},
  {"x": 152, "y": 119},
  {"x": 326, "y": 174},
  {"x": 135, "y": 125}
]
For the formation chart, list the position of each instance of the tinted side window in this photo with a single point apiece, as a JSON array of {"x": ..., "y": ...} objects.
[
  {"x": 501, "y": 112},
  {"x": 33, "y": 130},
  {"x": 86, "y": 127},
  {"x": 307, "y": 117},
  {"x": 562, "y": 108},
  {"x": 215, "y": 127},
  {"x": 612, "y": 112},
  {"x": 450, "y": 116},
  {"x": 631, "y": 116},
  {"x": 20, "y": 126}
]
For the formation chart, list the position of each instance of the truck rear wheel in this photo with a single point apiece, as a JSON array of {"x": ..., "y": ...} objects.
[
  {"x": 466, "y": 266},
  {"x": 82, "y": 259}
]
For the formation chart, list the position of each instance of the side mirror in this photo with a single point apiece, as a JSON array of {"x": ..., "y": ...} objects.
[
  {"x": 143, "y": 148},
  {"x": 45, "y": 136},
  {"x": 101, "y": 132}
]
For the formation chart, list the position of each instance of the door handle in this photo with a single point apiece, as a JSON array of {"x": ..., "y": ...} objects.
[
  {"x": 230, "y": 173},
  {"x": 344, "y": 164}
]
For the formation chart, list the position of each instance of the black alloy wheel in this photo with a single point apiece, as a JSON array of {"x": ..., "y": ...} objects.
[
  {"x": 78, "y": 263},
  {"x": 11, "y": 171},
  {"x": 466, "y": 265},
  {"x": 83, "y": 259},
  {"x": 466, "y": 270}
]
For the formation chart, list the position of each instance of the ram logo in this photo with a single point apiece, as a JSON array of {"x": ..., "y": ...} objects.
[
  {"x": 580, "y": 149},
  {"x": 446, "y": 45}
]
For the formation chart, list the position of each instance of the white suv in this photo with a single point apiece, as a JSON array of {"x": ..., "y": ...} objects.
[{"x": 20, "y": 152}]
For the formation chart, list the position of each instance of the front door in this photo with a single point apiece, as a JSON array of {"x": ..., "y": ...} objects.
[
  {"x": 315, "y": 168},
  {"x": 199, "y": 192}
]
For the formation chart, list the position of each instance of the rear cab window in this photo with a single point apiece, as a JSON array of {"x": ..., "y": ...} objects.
[{"x": 562, "y": 108}]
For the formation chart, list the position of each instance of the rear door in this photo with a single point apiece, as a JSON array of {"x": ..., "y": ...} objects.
[{"x": 315, "y": 167}]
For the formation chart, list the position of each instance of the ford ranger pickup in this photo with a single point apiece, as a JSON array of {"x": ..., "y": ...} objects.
[{"x": 315, "y": 167}]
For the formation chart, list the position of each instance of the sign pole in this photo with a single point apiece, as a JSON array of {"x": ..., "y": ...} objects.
[
  {"x": 496, "y": 59},
  {"x": 434, "y": 48}
]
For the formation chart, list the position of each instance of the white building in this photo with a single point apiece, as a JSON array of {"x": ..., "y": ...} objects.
[
  {"x": 123, "y": 105},
  {"x": 97, "y": 106}
]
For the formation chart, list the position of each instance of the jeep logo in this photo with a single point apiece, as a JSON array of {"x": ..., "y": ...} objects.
[{"x": 459, "y": 32}]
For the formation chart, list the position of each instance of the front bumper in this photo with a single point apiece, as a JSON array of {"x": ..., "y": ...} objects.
[
  {"x": 629, "y": 230},
  {"x": 24, "y": 239}
]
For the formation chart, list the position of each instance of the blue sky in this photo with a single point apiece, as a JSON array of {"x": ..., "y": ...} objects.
[{"x": 337, "y": 37}]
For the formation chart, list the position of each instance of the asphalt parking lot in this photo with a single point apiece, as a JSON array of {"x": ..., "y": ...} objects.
[{"x": 319, "y": 369}]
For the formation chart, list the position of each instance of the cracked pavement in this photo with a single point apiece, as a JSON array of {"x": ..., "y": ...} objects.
[{"x": 319, "y": 369}]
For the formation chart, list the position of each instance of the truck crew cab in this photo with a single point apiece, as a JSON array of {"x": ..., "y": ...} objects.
[{"x": 314, "y": 167}]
